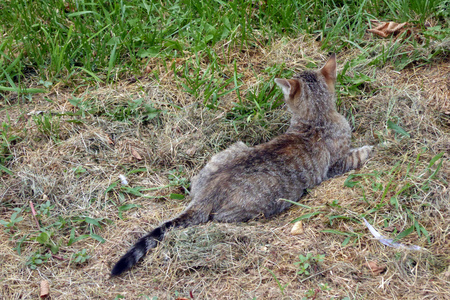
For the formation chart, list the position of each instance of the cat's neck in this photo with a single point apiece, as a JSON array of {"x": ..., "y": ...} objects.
[
  {"x": 303, "y": 126},
  {"x": 321, "y": 121}
]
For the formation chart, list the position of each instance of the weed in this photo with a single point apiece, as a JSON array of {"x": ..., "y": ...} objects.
[
  {"x": 45, "y": 208},
  {"x": 280, "y": 286},
  {"x": 348, "y": 235},
  {"x": 15, "y": 218},
  {"x": 6, "y": 139},
  {"x": 306, "y": 262},
  {"x": 148, "y": 298},
  {"x": 79, "y": 171},
  {"x": 84, "y": 107},
  {"x": 312, "y": 293},
  {"x": 73, "y": 239},
  {"x": 178, "y": 177},
  {"x": 48, "y": 124},
  {"x": 37, "y": 259},
  {"x": 135, "y": 110},
  {"x": 45, "y": 239},
  {"x": 80, "y": 257},
  {"x": 331, "y": 216},
  {"x": 126, "y": 207}
]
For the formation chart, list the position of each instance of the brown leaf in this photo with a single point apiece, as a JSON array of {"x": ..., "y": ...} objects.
[
  {"x": 376, "y": 269},
  {"x": 135, "y": 154},
  {"x": 68, "y": 8},
  {"x": 384, "y": 29},
  {"x": 45, "y": 289},
  {"x": 110, "y": 141},
  {"x": 392, "y": 228},
  {"x": 191, "y": 151}
]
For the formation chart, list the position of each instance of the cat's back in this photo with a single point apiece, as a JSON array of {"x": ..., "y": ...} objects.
[{"x": 292, "y": 156}]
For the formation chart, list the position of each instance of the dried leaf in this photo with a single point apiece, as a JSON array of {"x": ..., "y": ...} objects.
[
  {"x": 110, "y": 141},
  {"x": 392, "y": 228},
  {"x": 191, "y": 151},
  {"x": 376, "y": 269},
  {"x": 297, "y": 228},
  {"x": 69, "y": 8},
  {"x": 384, "y": 29},
  {"x": 45, "y": 289},
  {"x": 135, "y": 154}
]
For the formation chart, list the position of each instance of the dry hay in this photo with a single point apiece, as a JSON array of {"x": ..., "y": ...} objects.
[{"x": 231, "y": 261}]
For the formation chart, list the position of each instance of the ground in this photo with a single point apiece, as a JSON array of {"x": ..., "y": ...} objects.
[{"x": 72, "y": 153}]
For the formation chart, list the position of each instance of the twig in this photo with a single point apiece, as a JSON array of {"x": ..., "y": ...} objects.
[
  {"x": 58, "y": 258},
  {"x": 33, "y": 212},
  {"x": 317, "y": 274},
  {"x": 315, "y": 294}
]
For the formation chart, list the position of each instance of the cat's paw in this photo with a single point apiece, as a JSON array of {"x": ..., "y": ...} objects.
[{"x": 364, "y": 153}]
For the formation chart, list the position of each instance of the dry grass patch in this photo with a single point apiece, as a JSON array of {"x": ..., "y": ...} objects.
[{"x": 167, "y": 136}]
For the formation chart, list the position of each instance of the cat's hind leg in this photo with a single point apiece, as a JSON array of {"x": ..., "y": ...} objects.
[{"x": 353, "y": 160}]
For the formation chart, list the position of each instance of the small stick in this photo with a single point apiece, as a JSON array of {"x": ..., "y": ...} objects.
[
  {"x": 318, "y": 273},
  {"x": 315, "y": 294},
  {"x": 33, "y": 212},
  {"x": 57, "y": 257}
]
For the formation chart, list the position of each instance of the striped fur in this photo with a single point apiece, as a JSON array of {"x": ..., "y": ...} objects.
[
  {"x": 242, "y": 183},
  {"x": 151, "y": 240}
]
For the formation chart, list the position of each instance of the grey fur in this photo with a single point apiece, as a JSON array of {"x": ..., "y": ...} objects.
[{"x": 242, "y": 183}]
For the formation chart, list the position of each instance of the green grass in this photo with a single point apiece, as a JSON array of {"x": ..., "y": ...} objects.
[
  {"x": 103, "y": 41},
  {"x": 6, "y": 139}
]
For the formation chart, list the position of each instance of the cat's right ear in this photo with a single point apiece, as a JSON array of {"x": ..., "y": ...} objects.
[
  {"x": 289, "y": 87},
  {"x": 329, "y": 72}
]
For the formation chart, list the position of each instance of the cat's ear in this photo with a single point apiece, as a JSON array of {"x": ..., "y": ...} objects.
[
  {"x": 289, "y": 86},
  {"x": 329, "y": 71}
]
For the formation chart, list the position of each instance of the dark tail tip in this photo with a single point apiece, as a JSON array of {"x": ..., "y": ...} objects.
[
  {"x": 130, "y": 258},
  {"x": 140, "y": 249},
  {"x": 122, "y": 265}
]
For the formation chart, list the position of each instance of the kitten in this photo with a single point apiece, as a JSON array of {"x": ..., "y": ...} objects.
[{"x": 242, "y": 183}]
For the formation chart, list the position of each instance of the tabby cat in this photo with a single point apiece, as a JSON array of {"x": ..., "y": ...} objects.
[{"x": 242, "y": 183}]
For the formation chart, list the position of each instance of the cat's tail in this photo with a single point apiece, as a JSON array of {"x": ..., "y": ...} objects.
[{"x": 151, "y": 240}]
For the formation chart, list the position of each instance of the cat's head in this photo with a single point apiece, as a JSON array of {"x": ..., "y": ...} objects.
[{"x": 310, "y": 93}]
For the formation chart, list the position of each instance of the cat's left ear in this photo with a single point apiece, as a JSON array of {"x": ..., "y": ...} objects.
[{"x": 329, "y": 71}]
